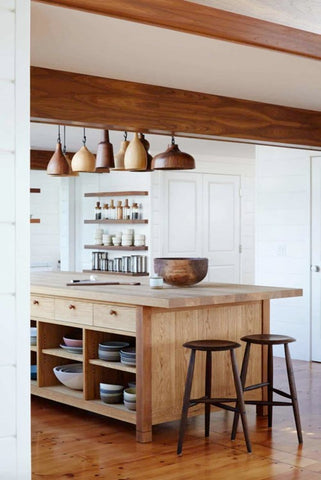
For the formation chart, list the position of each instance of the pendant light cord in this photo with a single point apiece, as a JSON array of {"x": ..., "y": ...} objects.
[
  {"x": 173, "y": 140},
  {"x": 58, "y": 139},
  {"x": 84, "y": 139},
  {"x": 125, "y": 136},
  {"x": 64, "y": 150}
]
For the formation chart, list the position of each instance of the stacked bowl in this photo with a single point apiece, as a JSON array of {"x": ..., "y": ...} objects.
[
  {"x": 130, "y": 398},
  {"x": 128, "y": 356},
  {"x": 70, "y": 375},
  {"x": 33, "y": 335},
  {"x": 110, "y": 351},
  {"x": 72, "y": 345},
  {"x": 110, "y": 393}
]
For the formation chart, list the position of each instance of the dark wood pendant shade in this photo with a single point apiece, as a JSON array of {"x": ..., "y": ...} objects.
[
  {"x": 173, "y": 159},
  {"x": 58, "y": 164},
  {"x": 105, "y": 155}
]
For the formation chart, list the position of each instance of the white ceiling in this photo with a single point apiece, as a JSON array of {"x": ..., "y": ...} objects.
[
  {"x": 72, "y": 40},
  {"x": 301, "y": 14}
]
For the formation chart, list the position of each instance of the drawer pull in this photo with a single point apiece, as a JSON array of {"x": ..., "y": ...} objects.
[
  {"x": 72, "y": 307},
  {"x": 112, "y": 312},
  {"x": 36, "y": 302}
]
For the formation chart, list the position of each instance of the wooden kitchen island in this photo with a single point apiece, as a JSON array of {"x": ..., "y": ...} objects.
[{"x": 158, "y": 322}]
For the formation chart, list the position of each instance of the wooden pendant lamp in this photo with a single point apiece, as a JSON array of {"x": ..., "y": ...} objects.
[
  {"x": 120, "y": 156},
  {"x": 135, "y": 155},
  {"x": 149, "y": 156},
  {"x": 104, "y": 155},
  {"x": 83, "y": 160},
  {"x": 173, "y": 159},
  {"x": 58, "y": 164}
]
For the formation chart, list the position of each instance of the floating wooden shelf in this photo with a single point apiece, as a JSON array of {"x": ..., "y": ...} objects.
[
  {"x": 60, "y": 352},
  {"x": 34, "y": 220},
  {"x": 130, "y": 274},
  {"x": 113, "y": 365},
  {"x": 113, "y": 247},
  {"x": 116, "y": 194},
  {"x": 115, "y": 221}
]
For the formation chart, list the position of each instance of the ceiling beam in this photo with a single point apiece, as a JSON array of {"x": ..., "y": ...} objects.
[
  {"x": 206, "y": 21},
  {"x": 75, "y": 99}
]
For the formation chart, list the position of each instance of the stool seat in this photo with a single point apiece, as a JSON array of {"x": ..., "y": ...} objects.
[
  {"x": 211, "y": 345},
  {"x": 268, "y": 339}
]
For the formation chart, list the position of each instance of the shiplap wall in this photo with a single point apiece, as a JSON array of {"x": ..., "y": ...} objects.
[
  {"x": 14, "y": 234},
  {"x": 283, "y": 238}
]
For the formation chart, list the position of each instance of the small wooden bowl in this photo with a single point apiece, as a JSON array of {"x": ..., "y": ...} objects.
[{"x": 181, "y": 272}]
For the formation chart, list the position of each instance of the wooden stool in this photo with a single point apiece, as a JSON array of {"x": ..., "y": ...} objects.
[
  {"x": 270, "y": 340},
  {"x": 210, "y": 346}
]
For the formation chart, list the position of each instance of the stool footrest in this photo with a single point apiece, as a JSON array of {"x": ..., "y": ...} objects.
[
  {"x": 257, "y": 385},
  {"x": 211, "y": 400},
  {"x": 280, "y": 392},
  {"x": 266, "y": 402}
]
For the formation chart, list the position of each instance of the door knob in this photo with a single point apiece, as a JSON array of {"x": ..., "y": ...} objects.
[{"x": 315, "y": 268}]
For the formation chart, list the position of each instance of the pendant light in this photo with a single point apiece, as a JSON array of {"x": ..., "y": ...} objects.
[
  {"x": 149, "y": 156},
  {"x": 135, "y": 155},
  {"x": 119, "y": 157},
  {"x": 173, "y": 159},
  {"x": 64, "y": 150},
  {"x": 104, "y": 155},
  {"x": 58, "y": 164},
  {"x": 83, "y": 160}
]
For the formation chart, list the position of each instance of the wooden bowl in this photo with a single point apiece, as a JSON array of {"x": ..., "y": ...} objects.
[{"x": 181, "y": 272}]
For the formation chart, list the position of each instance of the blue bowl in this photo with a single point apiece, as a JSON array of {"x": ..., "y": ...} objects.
[{"x": 33, "y": 372}]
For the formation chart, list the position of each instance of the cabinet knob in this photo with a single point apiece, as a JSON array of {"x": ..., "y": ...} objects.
[
  {"x": 112, "y": 312},
  {"x": 72, "y": 307},
  {"x": 36, "y": 302}
]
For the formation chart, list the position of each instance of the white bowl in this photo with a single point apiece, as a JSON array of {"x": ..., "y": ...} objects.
[
  {"x": 130, "y": 394},
  {"x": 110, "y": 388},
  {"x": 70, "y": 375},
  {"x": 130, "y": 405}
]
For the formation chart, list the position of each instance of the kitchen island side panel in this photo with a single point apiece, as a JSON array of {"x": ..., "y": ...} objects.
[{"x": 170, "y": 329}]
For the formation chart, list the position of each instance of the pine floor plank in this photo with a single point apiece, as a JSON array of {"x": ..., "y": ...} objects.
[{"x": 70, "y": 443}]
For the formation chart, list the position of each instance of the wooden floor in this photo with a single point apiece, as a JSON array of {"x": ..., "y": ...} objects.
[{"x": 70, "y": 443}]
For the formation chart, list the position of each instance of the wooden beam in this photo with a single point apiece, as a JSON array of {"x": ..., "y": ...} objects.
[
  {"x": 206, "y": 21},
  {"x": 73, "y": 99}
]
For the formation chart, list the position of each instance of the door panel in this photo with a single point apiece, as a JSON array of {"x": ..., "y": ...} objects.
[{"x": 316, "y": 258}]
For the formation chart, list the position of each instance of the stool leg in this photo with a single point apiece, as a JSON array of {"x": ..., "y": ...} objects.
[
  {"x": 187, "y": 394},
  {"x": 245, "y": 364},
  {"x": 240, "y": 401},
  {"x": 270, "y": 386},
  {"x": 208, "y": 389},
  {"x": 296, "y": 412}
]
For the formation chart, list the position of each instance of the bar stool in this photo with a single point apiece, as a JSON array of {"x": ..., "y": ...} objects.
[
  {"x": 210, "y": 346},
  {"x": 270, "y": 340}
]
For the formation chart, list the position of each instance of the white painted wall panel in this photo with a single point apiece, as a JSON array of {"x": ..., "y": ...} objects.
[
  {"x": 7, "y": 119},
  {"x": 7, "y": 187},
  {"x": 8, "y": 459},
  {"x": 8, "y": 401},
  {"x": 7, "y": 45},
  {"x": 8, "y": 330}
]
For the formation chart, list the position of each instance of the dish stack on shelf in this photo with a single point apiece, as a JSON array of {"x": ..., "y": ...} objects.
[
  {"x": 70, "y": 375},
  {"x": 33, "y": 335},
  {"x": 130, "y": 398},
  {"x": 128, "y": 356},
  {"x": 110, "y": 351},
  {"x": 72, "y": 345},
  {"x": 110, "y": 393}
]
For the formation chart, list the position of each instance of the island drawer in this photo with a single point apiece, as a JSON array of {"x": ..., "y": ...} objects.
[
  {"x": 42, "y": 307},
  {"x": 72, "y": 311},
  {"x": 115, "y": 317}
]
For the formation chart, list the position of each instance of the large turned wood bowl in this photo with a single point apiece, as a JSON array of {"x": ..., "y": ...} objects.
[{"x": 181, "y": 272}]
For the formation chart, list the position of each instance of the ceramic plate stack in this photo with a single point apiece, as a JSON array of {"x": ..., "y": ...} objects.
[
  {"x": 72, "y": 345},
  {"x": 110, "y": 351},
  {"x": 128, "y": 356}
]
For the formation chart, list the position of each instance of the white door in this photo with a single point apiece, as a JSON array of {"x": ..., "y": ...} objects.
[
  {"x": 201, "y": 217},
  {"x": 316, "y": 258},
  {"x": 221, "y": 227}
]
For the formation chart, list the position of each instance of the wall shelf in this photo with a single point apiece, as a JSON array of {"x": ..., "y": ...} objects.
[
  {"x": 113, "y": 247},
  {"x": 116, "y": 194},
  {"x": 129, "y": 274},
  {"x": 115, "y": 221}
]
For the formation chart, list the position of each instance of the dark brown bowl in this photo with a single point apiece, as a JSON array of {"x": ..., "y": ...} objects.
[{"x": 181, "y": 272}]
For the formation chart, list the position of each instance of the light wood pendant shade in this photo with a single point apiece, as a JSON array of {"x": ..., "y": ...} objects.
[
  {"x": 149, "y": 156},
  {"x": 135, "y": 155},
  {"x": 173, "y": 159},
  {"x": 104, "y": 155},
  {"x": 120, "y": 156},
  {"x": 83, "y": 160},
  {"x": 58, "y": 164}
]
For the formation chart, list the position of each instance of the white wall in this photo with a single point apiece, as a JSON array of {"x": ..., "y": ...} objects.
[
  {"x": 283, "y": 238},
  {"x": 45, "y": 236},
  {"x": 14, "y": 234}
]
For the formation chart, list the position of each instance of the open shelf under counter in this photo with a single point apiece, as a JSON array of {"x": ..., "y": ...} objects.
[
  {"x": 59, "y": 352},
  {"x": 113, "y": 247},
  {"x": 129, "y": 274},
  {"x": 33, "y": 348},
  {"x": 118, "y": 221},
  {"x": 129, "y": 193},
  {"x": 112, "y": 365}
]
